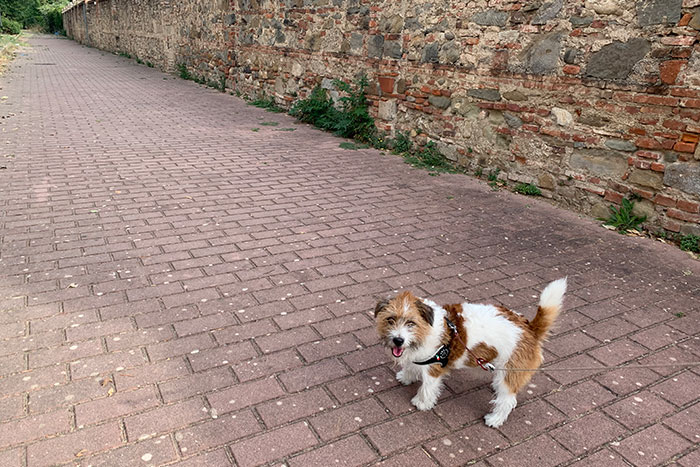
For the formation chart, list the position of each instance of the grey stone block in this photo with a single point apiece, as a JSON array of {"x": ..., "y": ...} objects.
[{"x": 616, "y": 60}]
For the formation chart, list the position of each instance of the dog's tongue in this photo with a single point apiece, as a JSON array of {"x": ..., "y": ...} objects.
[{"x": 397, "y": 351}]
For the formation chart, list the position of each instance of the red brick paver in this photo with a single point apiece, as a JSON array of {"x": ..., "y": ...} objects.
[{"x": 178, "y": 289}]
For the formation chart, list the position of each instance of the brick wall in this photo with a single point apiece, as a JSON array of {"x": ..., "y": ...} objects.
[{"x": 590, "y": 100}]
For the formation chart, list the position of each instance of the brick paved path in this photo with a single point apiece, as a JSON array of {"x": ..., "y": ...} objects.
[{"x": 180, "y": 288}]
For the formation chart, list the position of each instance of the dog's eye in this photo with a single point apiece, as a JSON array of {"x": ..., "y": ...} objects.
[
  {"x": 390, "y": 320},
  {"x": 410, "y": 324}
]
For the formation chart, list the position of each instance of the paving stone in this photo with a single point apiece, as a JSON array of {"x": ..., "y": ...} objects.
[
  {"x": 218, "y": 458},
  {"x": 163, "y": 419},
  {"x": 303, "y": 404},
  {"x": 81, "y": 442},
  {"x": 604, "y": 457},
  {"x": 460, "y": 447},
  {"x": 582, "y": 397},
  {"x": 527, "y": 420},
  {"x": 155, "y": 451},
  {"x": 587, "y": 433},
  {"x": 638, "y": 410},
  {"x": 679, "y": 389},
  {"x": 198, "y": 383},
  {"x": 116, "y": 405},
  {"x": 273, "y": 445},
  {"x": 350, "y": 418},
  {"x": 685, "y": 422},
  {"x": 244, "y": 395},
  {"x": 267, "y": 365},
  {"x": 415, "y": 457},
  {"x": 406, "y": 431},
  {"x": 33, "y": 427},
  {"x": 651, "y": 446},
  {"x": 541, "y": 451},
  {"x": 11, "y": 458},
  {"x": 220, "y": 431},
  {"x": 362, "y": 384},
  {"x": 313, "y": 375},
  {"x": 350, "y": 451}
]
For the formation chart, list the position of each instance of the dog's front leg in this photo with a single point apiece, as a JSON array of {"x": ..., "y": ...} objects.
[
  {"x": 428, "y": 393},
  {"x": 408, "y": 374}
]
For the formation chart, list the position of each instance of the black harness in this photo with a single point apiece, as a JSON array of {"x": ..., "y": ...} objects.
[{"x": 442, "y": 356}]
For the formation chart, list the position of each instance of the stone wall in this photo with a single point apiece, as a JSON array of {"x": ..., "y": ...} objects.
[
  {"x": 592, "y": 101},
  {"x": 163, "y": 32}
]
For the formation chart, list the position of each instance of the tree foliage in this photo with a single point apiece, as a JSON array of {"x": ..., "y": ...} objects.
[{"x": 44, "y": 14}]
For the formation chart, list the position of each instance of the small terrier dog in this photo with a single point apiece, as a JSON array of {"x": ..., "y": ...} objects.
[{"x": 429, "y": 340}]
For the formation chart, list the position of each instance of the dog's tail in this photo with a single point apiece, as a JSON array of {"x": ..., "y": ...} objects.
[{"x": 550, "y": 305}]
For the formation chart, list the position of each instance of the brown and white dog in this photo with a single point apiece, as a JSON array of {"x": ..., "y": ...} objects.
[{"x": 428, "y": 341}]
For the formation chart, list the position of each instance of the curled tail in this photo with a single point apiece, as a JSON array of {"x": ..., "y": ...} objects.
[{"x": 550, "y": 305}]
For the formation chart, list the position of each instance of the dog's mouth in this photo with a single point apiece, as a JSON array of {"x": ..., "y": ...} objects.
[{"x": 397, "y": 351}]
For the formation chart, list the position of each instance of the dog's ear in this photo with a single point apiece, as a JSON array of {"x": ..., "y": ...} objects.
[
  {"x": 381, "y": 305},
  {"x": 425, "y": 311}
]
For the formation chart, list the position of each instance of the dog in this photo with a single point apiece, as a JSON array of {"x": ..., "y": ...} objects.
[{"x": 428, "y": 342}]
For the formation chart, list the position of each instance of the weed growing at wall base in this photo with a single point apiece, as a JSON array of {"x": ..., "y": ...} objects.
[
  {"x": 690, "y": 243},
  {"x": 527, "y": 189},
  {"x": 352, "y": 120},
  {"x": 267, "y": 103},
  {"x": 622, "y": 219},
  {"x": 430, "y": 158}
]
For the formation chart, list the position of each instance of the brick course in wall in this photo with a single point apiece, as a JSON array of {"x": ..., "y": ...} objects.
[{"x": 592, "y": 101}]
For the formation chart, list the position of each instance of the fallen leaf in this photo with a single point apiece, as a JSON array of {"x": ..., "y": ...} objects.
[
  {"x": 81, "y": 453},
  {"x": 609, "y": 227},
  {"x": 111, "y": 391},
  {"x": 72, "y": 285}
]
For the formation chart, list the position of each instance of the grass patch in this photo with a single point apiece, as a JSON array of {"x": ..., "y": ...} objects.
[
  {"x": 353, "y": 146},
  {"x": 286, "y": 129},
  {"x": 8, "y": 45},
  {"x": 527, "y": 189},
  {"x": 622, "y": 219},
  {"x": 267, "y": 103},
  {"x": 690, "y": 243},
  {"x": 269, "y": 123}
]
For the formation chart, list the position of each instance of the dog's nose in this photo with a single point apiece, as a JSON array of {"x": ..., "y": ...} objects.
[{"x": 398, "y": 341}]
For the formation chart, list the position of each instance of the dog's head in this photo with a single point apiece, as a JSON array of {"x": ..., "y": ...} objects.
[{"x": 403, "y": 322}]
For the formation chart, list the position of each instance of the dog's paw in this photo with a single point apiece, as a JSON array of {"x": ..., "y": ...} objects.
[
  {"x": 494, "y": 420},
  {"x": 421, "y": 404},
  {"x": 403, "y": 378}
]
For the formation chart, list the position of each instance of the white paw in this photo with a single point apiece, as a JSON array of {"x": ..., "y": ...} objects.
[
  {"x": 494, "y": 420},
  {"x": 403, "y": 378},
  {"x": 421, "y": 404}
]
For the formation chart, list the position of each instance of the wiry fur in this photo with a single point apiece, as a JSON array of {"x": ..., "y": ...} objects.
[{"x": 415, "y": 329}]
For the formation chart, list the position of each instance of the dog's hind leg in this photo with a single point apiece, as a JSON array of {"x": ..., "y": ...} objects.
[{"x": 503, "y": 403}]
